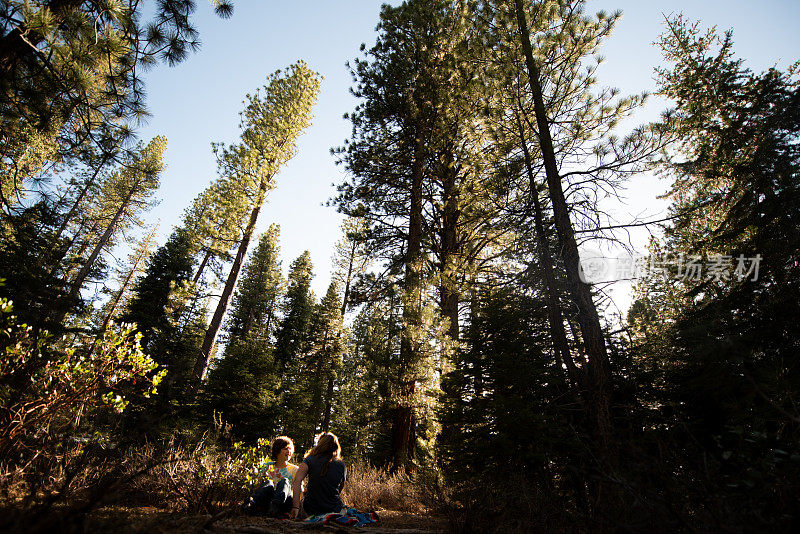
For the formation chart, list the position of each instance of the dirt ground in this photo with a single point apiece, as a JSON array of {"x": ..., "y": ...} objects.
[{"x": 151, "y": 520}]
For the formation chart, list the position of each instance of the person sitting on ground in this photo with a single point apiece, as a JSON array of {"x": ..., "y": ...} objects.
[
  {"x": 274, "y": 497},
  {"x": 326, "y": 476}
]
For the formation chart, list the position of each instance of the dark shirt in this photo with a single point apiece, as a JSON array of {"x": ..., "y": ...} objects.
[{"x": 322, "y": 492}]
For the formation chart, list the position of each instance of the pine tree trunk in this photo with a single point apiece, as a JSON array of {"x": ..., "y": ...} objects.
[
  {"x": 201, "y": 267},
  {"x": 402, "y": 448},
  {"x": 318, "y": 385},
  {"x": 56, "y": 263},
  {"x": 77, "y": 284},
  {"x": 589, "y": 321},
  {"x": 326, "y": 418},
  {"x": 347, "y": 280},
  {"x": 204, "y": 358},
  {"x": 449, "y": 248},
  {"x": 270, "y": 320},
  {"x": 555, "y": 316},
  {"x": 316, "y": 398},
  {"x": 68, "y": 217},
  {"x": 207, "y": 257},
  {"x": 448, "y": 294},
  {"x": 124, "y": 287}
]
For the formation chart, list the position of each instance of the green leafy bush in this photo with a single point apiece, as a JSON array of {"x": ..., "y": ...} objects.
[{"x": 48, "y": 384}]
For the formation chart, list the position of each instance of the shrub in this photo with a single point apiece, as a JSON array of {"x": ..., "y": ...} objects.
[
  {"x": 54, "y": 457},
  {"x": 48, "y": 385},
  {"x": 190, "y": 478}
]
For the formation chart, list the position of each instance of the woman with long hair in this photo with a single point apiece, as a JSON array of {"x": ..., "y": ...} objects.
[
  {"x": 326, "y": 476},
  {"x": 274, "y": 497}
]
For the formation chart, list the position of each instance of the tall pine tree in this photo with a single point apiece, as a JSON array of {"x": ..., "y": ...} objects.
[{"x": 273, "y": 119}]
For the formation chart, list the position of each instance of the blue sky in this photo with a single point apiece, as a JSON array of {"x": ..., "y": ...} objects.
[{"x": 197, "y": 102}]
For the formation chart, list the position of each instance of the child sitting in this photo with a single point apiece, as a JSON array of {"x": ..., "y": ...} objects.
[{"x": 274, "y": 497}]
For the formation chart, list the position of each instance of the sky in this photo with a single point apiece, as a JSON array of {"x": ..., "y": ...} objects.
[{"x": 198, "y": 101}]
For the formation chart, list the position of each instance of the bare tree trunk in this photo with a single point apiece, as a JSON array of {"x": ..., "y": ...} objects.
[
  {"x": 555, "y": 316},
  {"x": 204, "y": 358},
  {"x": 589, "y": 321},
  {"x": 56, "y": 263},
  {"x": 449, "y": 296},
  {"x": 206, "y": 257},
  {"x": 317, "y": 405}
]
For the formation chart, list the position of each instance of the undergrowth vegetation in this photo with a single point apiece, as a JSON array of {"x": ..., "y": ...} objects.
[{"x": 206, "y": 476}]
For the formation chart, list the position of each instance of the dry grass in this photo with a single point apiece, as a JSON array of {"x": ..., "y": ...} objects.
[{"x": 368, "y": 488}]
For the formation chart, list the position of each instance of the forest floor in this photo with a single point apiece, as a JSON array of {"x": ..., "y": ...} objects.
[{"x": 152, "y": 520}]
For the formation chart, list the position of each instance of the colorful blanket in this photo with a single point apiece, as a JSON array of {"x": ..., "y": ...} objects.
[{"x": 351, "y": 518}]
